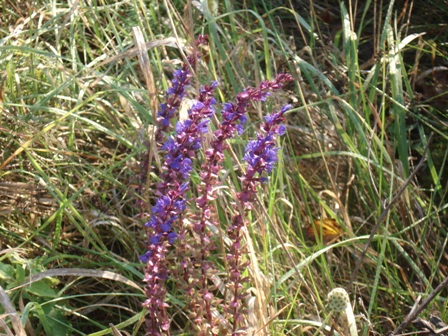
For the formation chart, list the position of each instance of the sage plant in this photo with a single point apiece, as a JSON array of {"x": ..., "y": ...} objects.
[{"x": 172, "y": 244}]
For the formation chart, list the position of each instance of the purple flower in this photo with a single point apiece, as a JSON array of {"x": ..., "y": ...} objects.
[
  {"x": 172, "y": 237},
  {"x": 177, "y": 91},
  {"x": 203, "y": 126},
  {"x": 166, "y": 226},
  {"x": 182, "y": 126},
  {"x": 161, "y": 205},
  {"x": 144, "y": 258},
  {"x": 180, "y": 205},
  {"x": 281, "y": 130},
  {"x": 183, "y": 187},
  {"x": 261, "y": 154},
  {"x": 169, "y": 145},
  {"x": 152, "y": 222},
  {"x": 174, "y": 95}
]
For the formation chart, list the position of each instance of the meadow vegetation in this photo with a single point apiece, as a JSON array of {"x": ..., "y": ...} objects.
[{"x": 353, "y": 195}]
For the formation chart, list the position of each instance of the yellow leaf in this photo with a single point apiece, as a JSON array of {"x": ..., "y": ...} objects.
[{"x": 326, "y": 230}]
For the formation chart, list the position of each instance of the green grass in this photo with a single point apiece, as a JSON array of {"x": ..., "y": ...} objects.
[{"x": 77, "y": 111}]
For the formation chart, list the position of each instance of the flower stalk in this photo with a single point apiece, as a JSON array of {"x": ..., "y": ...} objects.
[{"x": 261, "y": 157}]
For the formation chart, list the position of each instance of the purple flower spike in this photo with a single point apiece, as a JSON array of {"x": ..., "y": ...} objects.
[
  {"x": 166, "y": 217},
  {"x": 177, "y": 91},
  {"x": 174, "y": 96},
  {"x": 261, "y": 154},
  {"x": 261, "y": 157}
]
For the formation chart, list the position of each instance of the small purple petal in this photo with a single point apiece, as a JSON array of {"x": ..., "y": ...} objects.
[
  {"x": 281, "y": 130},
  {"x": 171, "y": 237},
  {"x": 145, "y": 257},
  {"x": 285, "y": 108},
  {"x": 154, "y": 239}
]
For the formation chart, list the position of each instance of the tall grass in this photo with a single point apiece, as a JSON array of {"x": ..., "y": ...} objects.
[{"x": 77, "y": 118}]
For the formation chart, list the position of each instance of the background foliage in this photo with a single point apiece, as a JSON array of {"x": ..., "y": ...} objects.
[{"x": 77, "y": 108}]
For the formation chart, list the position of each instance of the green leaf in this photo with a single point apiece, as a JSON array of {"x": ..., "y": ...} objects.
[
  {"x": 6, "y": 272},
  {"x": 56, "y": 319},
  {"x": 41, "y": 288}
]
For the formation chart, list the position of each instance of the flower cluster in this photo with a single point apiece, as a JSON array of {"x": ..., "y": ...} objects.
[
  {"x": 167, "y": 225},
  {"x": 167, "y": 111},
  {"x": 261, "y": 155},
  {"x": 177, "y": 91}
]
